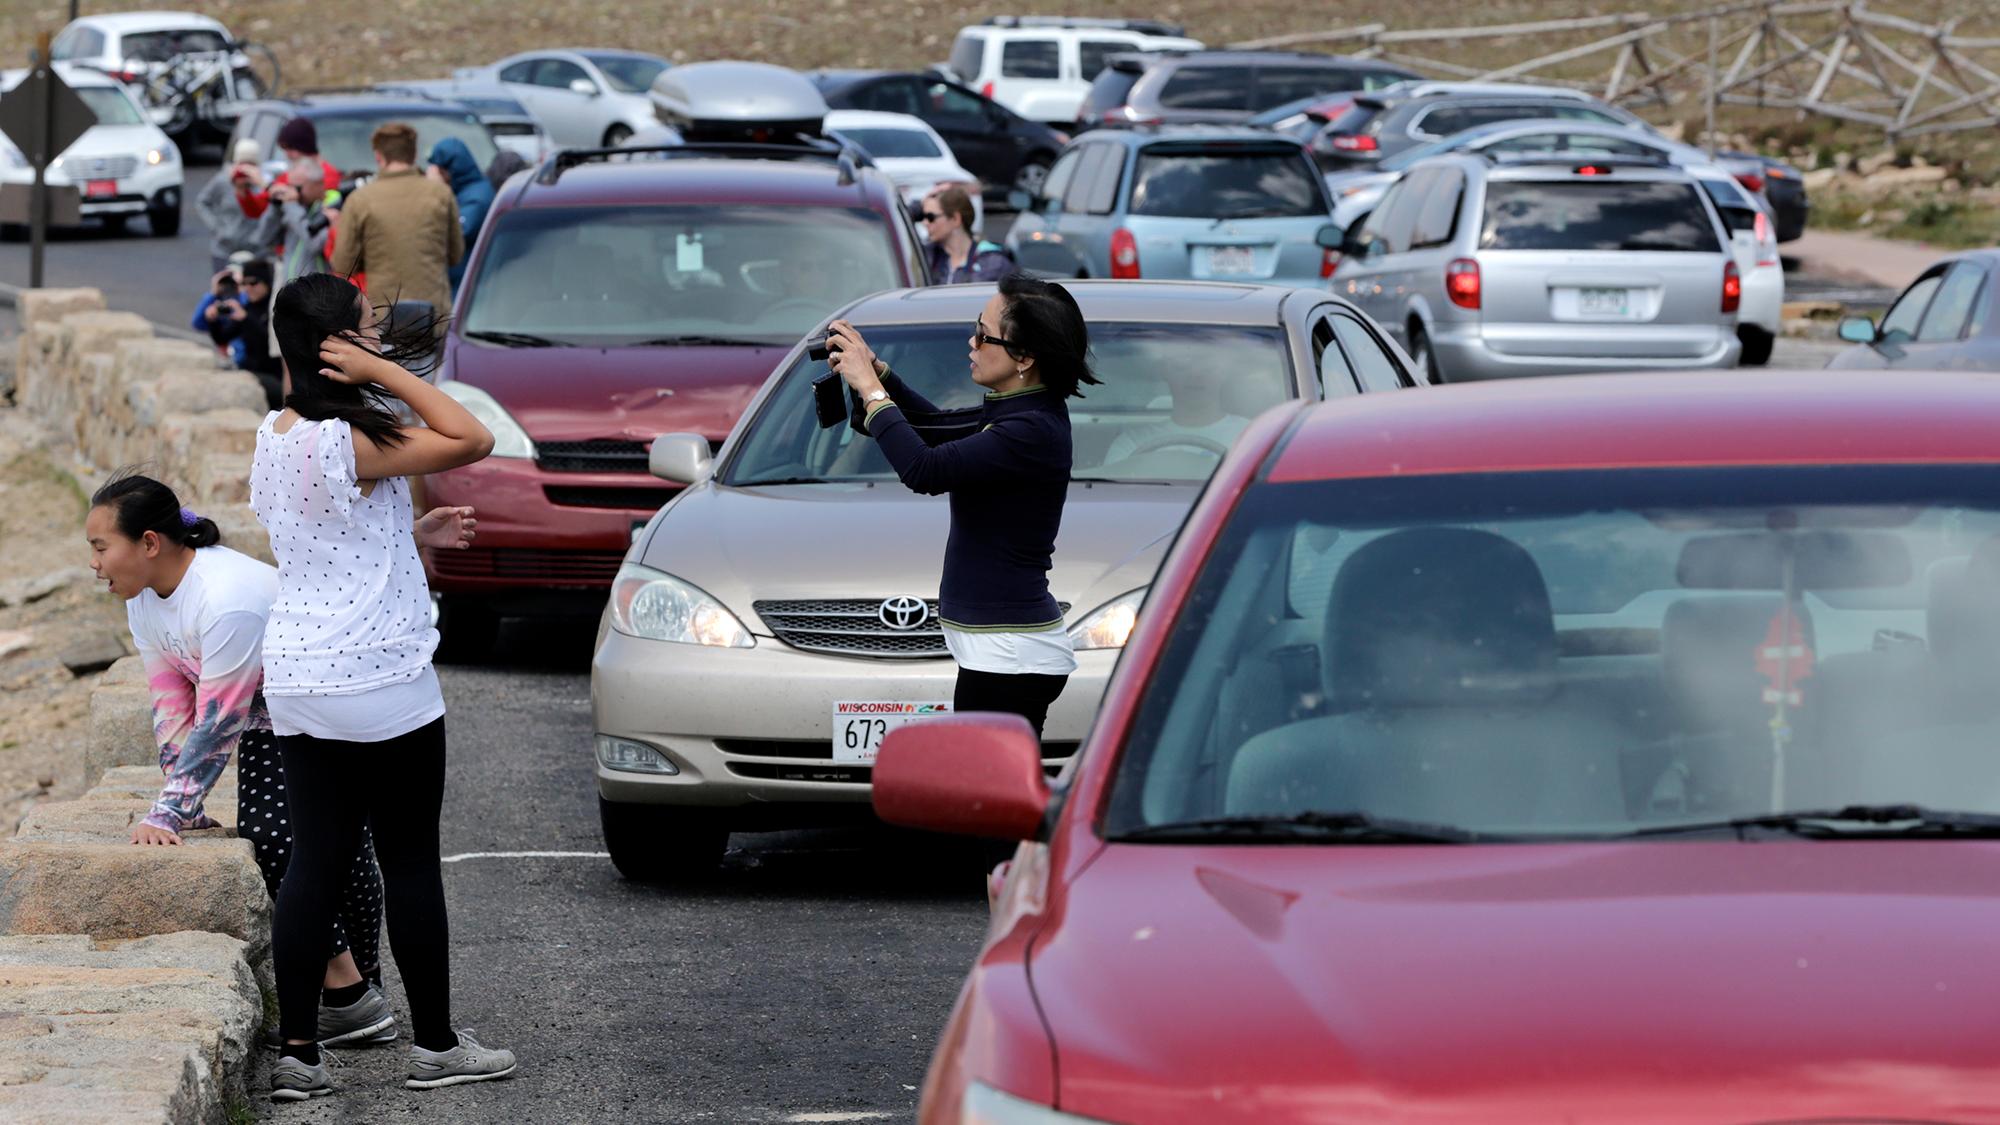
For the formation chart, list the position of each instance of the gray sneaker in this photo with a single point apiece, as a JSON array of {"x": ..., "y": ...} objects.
[
  {"x": 467, "y": 1062},
  {"x": 294, "y": 1081},
  {"x": 367, "y": 1020}
]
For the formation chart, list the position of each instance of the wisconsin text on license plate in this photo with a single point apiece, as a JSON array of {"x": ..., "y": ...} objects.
[
  {"x": 860, "y": 725},
  {"x": 1601, "y": 302}
]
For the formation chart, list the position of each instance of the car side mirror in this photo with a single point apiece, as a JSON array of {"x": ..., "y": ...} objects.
[
  {"x": 583, "y": 86},
  {"x": 1330, "y": 237},
  {"x": 1857, "y": 330},
  {"x": 1354, "y": 243},
  {"x": 1020, "y": 200},
  {"x": 681, "y": 458},
  {"x": 974, "y": 774}
]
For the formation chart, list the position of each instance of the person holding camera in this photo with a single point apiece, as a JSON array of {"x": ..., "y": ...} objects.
[
  {"x": 1005, "y": 464},
  {"x": 300, "y": 221},
  {"x": 245, "y": 318},
  {"x": 230, "y": 230}
]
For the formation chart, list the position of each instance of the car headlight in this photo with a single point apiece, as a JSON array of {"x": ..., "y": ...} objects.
[
  {"x": 509, "y": 439},
  {"x": 659, "y": 607},
  {"x": 159, "y": 156},
  {"x": 1109, "y": 625},
  {"x": 983, "y": 1105}
]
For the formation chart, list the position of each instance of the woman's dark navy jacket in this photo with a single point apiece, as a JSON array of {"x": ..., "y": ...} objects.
[{"x": 1005, "y": 464}]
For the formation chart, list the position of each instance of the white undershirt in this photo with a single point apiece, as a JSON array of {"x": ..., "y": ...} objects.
[{"x": 1046, "y": 652}]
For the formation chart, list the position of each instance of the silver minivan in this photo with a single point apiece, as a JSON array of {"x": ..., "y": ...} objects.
[{"x": 1487, "y": 266}]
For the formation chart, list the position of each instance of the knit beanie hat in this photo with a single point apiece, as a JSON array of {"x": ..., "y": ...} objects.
[{"x": 298, "y": 135}]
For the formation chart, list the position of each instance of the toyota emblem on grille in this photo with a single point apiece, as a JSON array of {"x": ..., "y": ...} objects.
[{"x": 904, "y": 613}]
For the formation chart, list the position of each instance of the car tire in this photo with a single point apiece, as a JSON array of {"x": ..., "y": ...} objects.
[
  {"x": 165, "y": 221},
  {"x": 1757, "y": 345},
  {"x": 661, "y": 844},
  {"x": 1424, "y": 355},
  {"x": 616, "y": 135},
  {"x": 468, "y": 629},
  {"x": 1033, "y": 172}
]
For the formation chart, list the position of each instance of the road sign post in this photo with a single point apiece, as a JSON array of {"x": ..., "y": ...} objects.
[{"x": 42, "y": 116}]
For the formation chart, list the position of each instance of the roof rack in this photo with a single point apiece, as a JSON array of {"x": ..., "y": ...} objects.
[
  {"x": 1572, "y": 158},
  {"x": 1144, "y": 26},
  {"x": 849, "y": 159},
  {"x": 326, "y": 91},
  {"x": 1427, "y": 89}
]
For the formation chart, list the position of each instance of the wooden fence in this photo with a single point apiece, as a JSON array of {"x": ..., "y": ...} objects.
[{"x": 1838, "y": 59}]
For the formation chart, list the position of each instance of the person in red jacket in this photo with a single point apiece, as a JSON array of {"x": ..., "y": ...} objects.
[{"x": 298, "y": 140}]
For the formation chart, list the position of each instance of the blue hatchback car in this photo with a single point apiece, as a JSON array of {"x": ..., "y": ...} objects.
[{"x": 1206, "y": 203}]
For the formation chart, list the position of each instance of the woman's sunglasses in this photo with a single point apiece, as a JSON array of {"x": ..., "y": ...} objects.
[
  {"x": 931, "y": 216},
  {"x": 980, "y": 339}
]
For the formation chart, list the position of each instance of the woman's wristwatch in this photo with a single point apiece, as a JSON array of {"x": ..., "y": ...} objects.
[{"x": 877, "y": 395}]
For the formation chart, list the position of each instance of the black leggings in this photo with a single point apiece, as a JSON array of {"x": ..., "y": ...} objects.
[
  {"x": 337, "y": 789},
  {"x": 1027, "y": 694},
  {"x": 263, "y": 818}
]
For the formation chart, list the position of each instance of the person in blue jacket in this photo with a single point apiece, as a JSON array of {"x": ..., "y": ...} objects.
[
  {"x": 452, "y": 165},
  {"x": 1005, "y": 464}
]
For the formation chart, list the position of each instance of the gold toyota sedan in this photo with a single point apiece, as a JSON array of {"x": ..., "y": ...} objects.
[{"x": 778, "y": 617}]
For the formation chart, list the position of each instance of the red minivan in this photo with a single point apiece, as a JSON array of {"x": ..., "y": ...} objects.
[
  {"x": 1580, "y": 749},
  {"x": 616, "y": 296}
]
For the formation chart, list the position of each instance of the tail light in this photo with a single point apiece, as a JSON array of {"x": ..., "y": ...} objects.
[
  {"x": 1732, "y": 287},
  {"x": 986, "y": 91},
  {"x": 1329, "y": 261},
  {"x": 1750, "y": 180},
  {"x": 1461, "y": 283},
  {"x": 1767, "y": 246},
  {"x": 1353, "y": 142},
  {"x": 1593, "y": 170},
  {"x": 1124, "y": 254}
]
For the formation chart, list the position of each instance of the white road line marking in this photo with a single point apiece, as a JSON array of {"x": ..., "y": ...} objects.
[
  {"x": 525, "y": 855},
  {"x": 865, "y": 1115}
]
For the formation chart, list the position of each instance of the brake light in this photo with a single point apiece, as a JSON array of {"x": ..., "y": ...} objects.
[
  {"x": 1732, "y": 287},
  {"x": 1593, "y": 170},
  {"x": 1124, "y": 254},
  {"x": 1750, "y": 180},
  {"x": 1776, "y": 174},
  {"x": 1461, "y": 283},
  {"x": 986, "y": 91},
  {"x": 1767, "y": 246},
  {"x": 1329, "y": 261},
  {"x": 1353, "y": 142}
]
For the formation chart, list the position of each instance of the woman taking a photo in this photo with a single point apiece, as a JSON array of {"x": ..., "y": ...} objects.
[
  {"x": 354, "y": 701},
  {"x": 1005, "y": 465}
]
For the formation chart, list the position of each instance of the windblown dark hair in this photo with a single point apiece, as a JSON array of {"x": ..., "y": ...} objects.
[
  {"x": 1042, "y": 320},
  {"x": 142, "y": 504},
  {"x": 311, "y": 308}
]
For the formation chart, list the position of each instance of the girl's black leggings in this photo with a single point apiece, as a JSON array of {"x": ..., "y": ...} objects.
[
  {"x": 395, "y": 790},
  {"x": 265, "y": 820},
  {"x": 1027, "y": 694}
]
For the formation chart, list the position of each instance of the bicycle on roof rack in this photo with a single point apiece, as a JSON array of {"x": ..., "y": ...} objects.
[{"x": 203, "y": 87}]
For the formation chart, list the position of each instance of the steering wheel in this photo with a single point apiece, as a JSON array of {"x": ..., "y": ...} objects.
[{"x": 1169, "y": 441}]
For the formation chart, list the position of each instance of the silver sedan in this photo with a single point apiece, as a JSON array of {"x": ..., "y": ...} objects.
[{"x": 584, "y": 98}]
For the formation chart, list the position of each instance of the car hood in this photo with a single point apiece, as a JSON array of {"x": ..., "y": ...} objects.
[
  {"x": 116, "y": 140},
  {"x": 747, "y": 544},
  {"x": 577, "y": 394},
  {"x": 1667, "y": 981}
]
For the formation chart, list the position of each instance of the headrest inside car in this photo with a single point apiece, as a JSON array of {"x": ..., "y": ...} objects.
[{"x": 1821, "y": 560}]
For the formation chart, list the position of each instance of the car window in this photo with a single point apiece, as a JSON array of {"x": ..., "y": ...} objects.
[
  {"x": 1336, "y": 378},
  {"x": 1394, "y": 219},
  {"x": 1207, "y": 87},
  {"x": 887, "y": 143},
  {"x": 1945, "y": 319},
  {"x": 557, "y": 74},
  {"x": 264, "y": 130},
  {"x": 1436, "y": 220},
  {"x": 1583, "y": 113},
  {"x": 68, "y": 45},
  {"x": 1061, "y": 174},
  {"x": 968, "y": 55},
  {"x": 162, "y": 46},
  {"x": 521, "y": 72},
  {"x": 1569, "y": 142},
  {"x": 344, "y": 138},
  {"x": 110, "y": 104},
  {"x": 1596, "y": 214},
  {"x": 1091, "y": 53},
  {"x": 953, "y": 104},
  {"x": 614, "y": 276},
  {"x": 1579, "y": 653},
  {"x": 1908, "y": 311},
  {"x": 1277, "y": 85},
  {"x": 896, "y": 95},
  {"x": 1446, "y": 120},
  {"x": 1103, "y": 197},
  {"x": 1225, "y": 183},
  {"x": 1372, "y": 363},
  {"x": 1095, "y": 157},
  {"x": 1030, "y": 58},
  {"x": 1174, "y": 396},
  {"x": 1108, "y": 91},
  {"x": 629, "y": 74}
]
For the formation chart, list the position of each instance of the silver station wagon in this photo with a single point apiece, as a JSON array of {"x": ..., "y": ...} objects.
[{"x": 778, "y": 617}]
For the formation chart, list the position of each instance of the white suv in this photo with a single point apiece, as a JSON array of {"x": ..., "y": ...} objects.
[
  {"x": 1041, "y": 66},
  {"x": 139, "y": 48},
  {"x": 122, "y": 167}
]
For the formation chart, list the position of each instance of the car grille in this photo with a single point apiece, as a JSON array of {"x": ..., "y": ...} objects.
[
  {"x": 636, "y": 499},
  {"x": 101, "y": 167},
  {"x": 556, "y": 568},
  {"x": 821, "y": 749},
  {"x": 591, "y": 456},
  {"x": 853, "y": 627}
]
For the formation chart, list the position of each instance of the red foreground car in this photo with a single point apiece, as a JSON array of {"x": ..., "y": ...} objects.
[{"x": 1591, "y": 749}]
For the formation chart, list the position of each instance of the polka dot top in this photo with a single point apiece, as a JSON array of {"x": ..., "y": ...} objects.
[{"x": 353, "y": 607}]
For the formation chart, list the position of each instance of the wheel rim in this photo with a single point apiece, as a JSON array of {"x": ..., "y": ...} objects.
[{"x": 1031, "y": 176}]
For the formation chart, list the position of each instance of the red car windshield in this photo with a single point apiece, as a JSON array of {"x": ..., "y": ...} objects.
[{"x": 1581, "y": 654}]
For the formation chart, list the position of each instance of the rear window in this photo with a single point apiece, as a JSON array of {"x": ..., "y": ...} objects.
[
  {"x": 1277, "y": 85},
  {"x": 629, "y": 74},
  {"x": 1030, "y": 58},
  {"x": 163, "y": 46},
  {"x": 1108, "y": 91},
  {"x": 1358, "y": 118},
  {"x": 1208, "y": 87},
  {"x": 1596, "y": 214},
  {"x": 344, "y": 137},
  {"x": 1091, "y": 53},
  {"x": 889, "y": 144},
  {"x": 968, "y": 54},
  {"x": 1219, "y": 184}
]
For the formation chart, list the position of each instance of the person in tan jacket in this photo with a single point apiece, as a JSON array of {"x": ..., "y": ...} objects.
[{"x": 400, "y": 229}]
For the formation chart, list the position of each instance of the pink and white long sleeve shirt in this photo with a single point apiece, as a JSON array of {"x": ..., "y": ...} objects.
[{"x": 203, "y": 651}]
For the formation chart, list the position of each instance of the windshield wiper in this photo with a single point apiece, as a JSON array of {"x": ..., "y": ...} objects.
[
  {"x": 517, "y": 339},
  {"x": 1822, "y": 824},
  {"x": 778, "y": 480},
  {"x": 1342, "y": 827},
  {"x": 696, "y": 340}
]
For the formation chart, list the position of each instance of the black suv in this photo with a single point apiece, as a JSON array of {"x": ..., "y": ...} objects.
[
  {"x": 1005, "y": 150},
  {"x": 1376, "y": 126},
  {"x": 1219, "y": 87},
  {"x": 345, "y": 119}
]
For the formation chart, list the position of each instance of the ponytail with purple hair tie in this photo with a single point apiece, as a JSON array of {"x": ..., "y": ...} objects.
[{"x": 188, "y": 518}]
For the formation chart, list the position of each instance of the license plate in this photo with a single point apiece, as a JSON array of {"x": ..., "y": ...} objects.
[
  {"x": 94, "y": 189},
  {"x": 1601, "y": 302},
  {"x": 859, "y": 726},
  {"x": 1231, "y": 260}
]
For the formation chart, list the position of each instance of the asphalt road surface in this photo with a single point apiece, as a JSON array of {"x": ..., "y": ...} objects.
[{"x": 807, "y": 983}]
